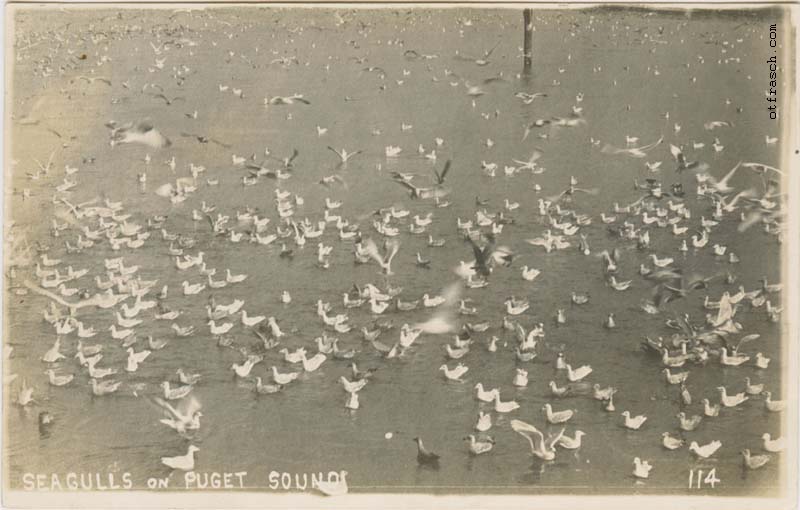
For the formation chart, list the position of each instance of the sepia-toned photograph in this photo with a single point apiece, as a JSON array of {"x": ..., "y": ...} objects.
[{"x": 399, "y": 250}]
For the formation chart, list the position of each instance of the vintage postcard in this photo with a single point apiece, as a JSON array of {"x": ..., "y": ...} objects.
[{"x": 400, "y": 255}]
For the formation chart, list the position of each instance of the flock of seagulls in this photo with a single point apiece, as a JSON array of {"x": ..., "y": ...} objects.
[{"x": 686, "y": 210}]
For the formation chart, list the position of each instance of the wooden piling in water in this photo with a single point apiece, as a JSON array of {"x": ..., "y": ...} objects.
[{"x": 527, "y": 51}]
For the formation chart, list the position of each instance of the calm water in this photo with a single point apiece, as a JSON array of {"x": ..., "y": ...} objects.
[{"x": 631, "y": 69}]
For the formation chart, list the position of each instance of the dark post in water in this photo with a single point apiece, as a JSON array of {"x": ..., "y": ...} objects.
[{"x": 527, "y": 51}]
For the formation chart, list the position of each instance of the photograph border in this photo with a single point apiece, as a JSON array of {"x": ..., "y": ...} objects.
[{"x": 260, "y": 498}]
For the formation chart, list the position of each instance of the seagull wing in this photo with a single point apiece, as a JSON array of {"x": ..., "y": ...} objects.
[
  {"x": 729, "y": 175},
  {"x": 222, "y": 144},
  {"x": 552, "y": 440},
  {"x": 337, "y": 152},
  {"x": 529, "y": 432},
  {"x": 676, "y": 152},
  {"x": 406, "y": 185},
  {"x": 480, "y": 256},
  {"x": 537, "y": 242},
  {"x": 488, "y": 53},
  {"x": 650, "y": 146},
  {"x": 745, "y": 339},
  {"x": 520, "y": 332},
  {"x": 444, "y": 320},
  {"x": 444, "y": 171},
  {"x": 166, "y": 406},
  {"x": 371, "y": 249},
  {"x": 610, "y": 149},
  {"x": 165, "y": 190},
  {"x": 295, "y": 153},
  {"x": 189, "y": 405},
  {"x": 161, "y": 96}
]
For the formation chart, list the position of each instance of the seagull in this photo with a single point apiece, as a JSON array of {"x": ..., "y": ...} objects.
[
  {"x": 683, "y": 164},
  {"x": 706, "y": 450},
  {"x": 772, "y": 405},
  {"x": 709, "y": 126},
  {"x": 773, "y": 445},
  {"x": 635, "y": 422},
  {"x": 542, "y": 448},
  {"x": 483, "y": 395},
  {"x": 732, "y": 400},
  {"x": 456, "y": 373},
  {"x": 282, "y": 100},
  {"x": 424, "y": 456},
  {"x": 167, "y": 100},
  {"x": 671, "y": 443},
  {"x": 754, "y": 461},
  {"x": 142, "y": 132},
  {"x": 417, "y": 192},
  {"x": 385, "y": 261},
  {"x": 641, "y": 468},
  {"x": 181, "y": 462},
  {"x": 266, "y": 389},
  {"x": 440, "y": 177},
  {"x": 478, "y": 447},
  {"x": 636, "y": 152},
  {"x": 722, "y": 186},
  {"x": 504, "y": 407},
  {"x": 530, "y": 164},
  {"x": 91, "y": 80},
  {"x": 205, "y": 139},
  {"x": 344, "y": 155},
  {"x": 528, "y": 98},
  {"x": 58, "y": 380},
  {"x": 186, "y": 416},
  {"x": 175, "y": 393},
  {"x": 283, "y": 378},
  {"x": 559, "y": 416}
]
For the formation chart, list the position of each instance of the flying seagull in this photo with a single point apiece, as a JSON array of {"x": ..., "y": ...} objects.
[
  {"x": 205, "y": 139},
  {"x": 344, "y": 155},
  {"x": 440, "y": 177}
]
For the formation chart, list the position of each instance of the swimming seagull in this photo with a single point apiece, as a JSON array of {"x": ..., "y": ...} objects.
[
  {"x": 477, "y": 447},
  {"x": 641, "y": 469},
  {"x": 754, "y": 461},
  {"x": 705, "y": 451},
  {"x": 182, "y": 462}
]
